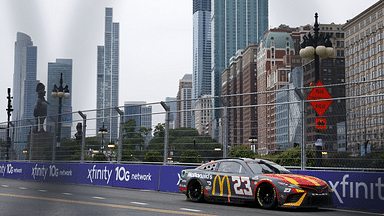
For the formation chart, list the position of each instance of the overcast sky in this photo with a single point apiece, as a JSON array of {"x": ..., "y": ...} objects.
[{"x": 155, "y": 40}]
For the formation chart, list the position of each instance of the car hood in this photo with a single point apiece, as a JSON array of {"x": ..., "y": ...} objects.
[{"x": 299, "y": 180}]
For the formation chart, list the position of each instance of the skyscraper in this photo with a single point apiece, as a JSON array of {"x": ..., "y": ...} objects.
[
  {"x": 55, "y": 69},
  {"x": 235, "y": 24},
  {"x": 201, "y": 82},
  {"x": 24, "y": 85},
  {"x": 108, "y": 76},
  {"x": 184, "y": 104}
]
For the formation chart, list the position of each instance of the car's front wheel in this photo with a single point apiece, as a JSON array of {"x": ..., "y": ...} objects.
[
  {"x": 195, "y": 191},
  {"x": 266, "y": 196}
]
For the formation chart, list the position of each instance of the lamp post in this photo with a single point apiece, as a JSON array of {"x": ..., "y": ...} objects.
[
  {"x": 9, "y": 110},
  {"x": 60, "y": 92},
  {"x": 103, "y": 131},
  {"x": 316, "y": 46},
  {"x": 253, "y": 140}
]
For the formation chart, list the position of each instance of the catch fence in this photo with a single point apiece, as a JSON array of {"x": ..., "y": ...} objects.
[{"x": 345, "y": 133}]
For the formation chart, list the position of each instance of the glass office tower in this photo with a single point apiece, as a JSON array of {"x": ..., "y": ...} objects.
[
  {"x": 201, "y": 81},
  {"x": 108, "y": 77},
  {"x": 234, "y": 24},
  {"x": 24, "y": 86}
]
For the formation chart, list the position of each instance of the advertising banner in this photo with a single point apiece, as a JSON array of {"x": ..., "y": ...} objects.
[
  {"x": 136, "y": 176},
  {"x": 358, "y": 190},
  {"x": 12, "y": 170},
  {"x": 170, "y": 178},
  {"x": 95, "y": 174}
]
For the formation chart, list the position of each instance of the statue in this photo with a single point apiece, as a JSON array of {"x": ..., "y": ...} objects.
[
  {"x": 79, "y": 133},
  {"x": 40, "y": 110}
]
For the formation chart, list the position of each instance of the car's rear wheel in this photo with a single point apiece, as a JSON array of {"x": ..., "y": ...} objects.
[
  {"x": 266, "y": 196},
  {"x": 195, "y": 191}
]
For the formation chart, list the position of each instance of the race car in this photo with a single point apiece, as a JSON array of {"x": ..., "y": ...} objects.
[{"x": 254, "y": 180}]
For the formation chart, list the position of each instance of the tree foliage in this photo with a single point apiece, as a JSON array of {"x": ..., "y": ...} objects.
[
  {"x": 153, "y": 156},
  {"x": 190, "y": 156},
  {"x": 241, "y": 151},
  {"x": 182, "y": 139}
]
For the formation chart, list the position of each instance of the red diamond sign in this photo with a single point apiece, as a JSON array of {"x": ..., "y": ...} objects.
[{"x": 320, "y": 93}]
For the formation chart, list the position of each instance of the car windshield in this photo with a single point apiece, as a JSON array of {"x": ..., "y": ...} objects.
[{"x": 267, "y": 167}]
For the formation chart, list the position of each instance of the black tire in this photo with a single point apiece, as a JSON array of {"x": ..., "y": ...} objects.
[
  {"x": 195, "y": 191},
  {"x": 266, "y": 196}
]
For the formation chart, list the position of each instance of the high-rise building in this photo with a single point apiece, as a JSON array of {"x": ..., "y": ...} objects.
[
  {"x": 24, "y": 85},
  {"x": 138, "y": 111},
  {"x": 331, "y": 72},
  {"x": 172, "y": 103},
  {"x": 203, "y": 107},
  {"x": 108, "y": 77},
  {"x": 364, "y": 65},
  {"x": 272, "y": 74},
  {"x": 141, "y": 113},
  {"x": 238, "y": 90},
  {"x": 234, "y": 24},
  {"x": 184, "y": 103},
  {"x": 55, "y": 70},
  {"x": 201, "y": 82}
]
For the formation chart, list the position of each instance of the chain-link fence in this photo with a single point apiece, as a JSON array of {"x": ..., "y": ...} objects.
[{"x": 344, "y": 132}]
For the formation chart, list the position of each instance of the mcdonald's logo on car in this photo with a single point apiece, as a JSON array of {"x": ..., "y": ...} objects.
[{"x": 221, "y": 184}]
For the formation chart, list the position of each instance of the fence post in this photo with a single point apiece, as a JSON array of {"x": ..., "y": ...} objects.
[
  {"x": 83, "y": 135},
  {"x": 54, "y": 140},
  {"x": 303, "y": 147},
  {"x": 31, "y": 144},
  {"x": 166, "y": 136},
  {"x": 225, "y": 127},
  {"x": 120, "y": 148}
]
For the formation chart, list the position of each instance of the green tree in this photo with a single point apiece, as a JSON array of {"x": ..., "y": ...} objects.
[
  {"x": 292, "y": 157},
  {"x": 241, "y": 151},
  {"x": 159, "y": 131},
  {"x": 70, "y": 150},
  {"x": 134, "y": 140},
  {"x": 153, "y": 156},
  {"x": 100, "y": 156},
  {"x": 190, "y": 156}
]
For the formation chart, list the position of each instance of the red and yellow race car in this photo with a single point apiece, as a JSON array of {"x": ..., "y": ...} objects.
[{"x": 264, "y": 182}]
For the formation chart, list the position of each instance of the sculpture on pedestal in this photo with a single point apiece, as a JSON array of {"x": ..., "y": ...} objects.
[{"x": 40, "y": 110}]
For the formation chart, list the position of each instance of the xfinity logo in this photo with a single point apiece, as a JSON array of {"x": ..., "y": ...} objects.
[
  {"x": 39, "y": 171},
  {"x": 357, "y": 189},
  {"x": 102, "y": 174},
  {"x": 2, "y": 169}
]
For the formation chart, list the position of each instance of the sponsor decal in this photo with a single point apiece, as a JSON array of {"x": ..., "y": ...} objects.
[
  {"x": 125, "y": 175},
  {"x": 39, "y": 171},
  {"x": 9, "y": 169},
  {"x": 102, "y": 174},
  {"x": 56, "y": 172},
  {"x": 357, "y": 189},
  {"x": 221, "y": 184},
  {"x": 199, "y": 175},
  {"x": 2, "y": 169}
]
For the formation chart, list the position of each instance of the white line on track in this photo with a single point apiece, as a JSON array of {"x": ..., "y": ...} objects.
[
  {"x": 139, "y": 203},
  {"x": 101, "y": 198},
  {"x": 354, "y": 211},
  {"x": 22, "y": 188},
  {"x": 5, "y": 186},
  {"x": 193, "y": 210},
  {"x": 69, "y": 194},
  {"x": 43, "y": 191}
]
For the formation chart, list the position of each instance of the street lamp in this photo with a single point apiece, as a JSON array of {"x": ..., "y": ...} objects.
[
  {"x": 316, "y": 46},
  {"x": 60, "y": 92},
  {"x": 103, "y": 131},
  {"x": 253, "y": 140}
]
